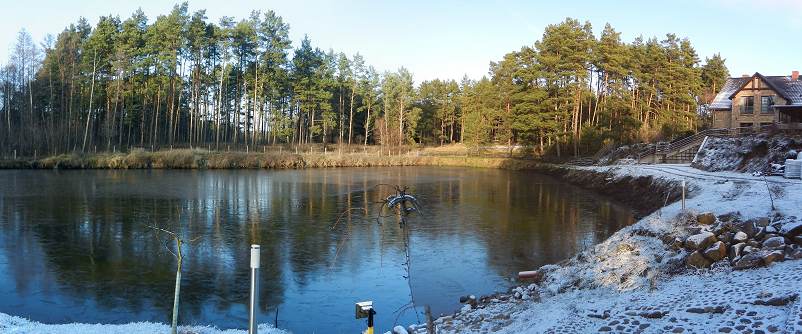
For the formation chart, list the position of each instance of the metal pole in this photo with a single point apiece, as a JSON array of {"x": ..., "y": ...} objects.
[
  {"x": 683, "y": 195},
  {"x": 252, "y": 325}
]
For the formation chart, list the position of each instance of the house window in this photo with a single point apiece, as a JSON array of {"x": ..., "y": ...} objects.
[
  {"x": 746, "y": 125},
  {"x": 766, "y": 102},
  {"x": 748, "y": 105}
]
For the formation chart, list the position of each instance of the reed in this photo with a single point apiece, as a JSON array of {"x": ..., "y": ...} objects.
[{"x": 202, "y": 159}]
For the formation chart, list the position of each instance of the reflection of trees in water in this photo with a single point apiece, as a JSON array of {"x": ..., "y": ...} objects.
[
  {"x": 90, "y": 226},
  {"x": 524, "y": 219},
  {"x": 97, "y": 246}
]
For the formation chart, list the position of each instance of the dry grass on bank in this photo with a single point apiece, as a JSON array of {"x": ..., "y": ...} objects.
[{"x": 203, "y": 159}]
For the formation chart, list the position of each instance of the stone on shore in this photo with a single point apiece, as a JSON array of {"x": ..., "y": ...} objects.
[
  {"x": 751, "y": 260},
  {"x": 716, "y": 252},
  {"x": 707, "y": 218},
  {"x": 697, "y": 260},
  {"x": 774, "y": 243},
  {"x": 700, "y": 241}
]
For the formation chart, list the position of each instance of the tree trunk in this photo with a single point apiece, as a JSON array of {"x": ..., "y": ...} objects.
[{"x": 91, "y": 97}]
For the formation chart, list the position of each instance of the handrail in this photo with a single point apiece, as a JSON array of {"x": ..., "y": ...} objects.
[{"x": 699, "y": 136}]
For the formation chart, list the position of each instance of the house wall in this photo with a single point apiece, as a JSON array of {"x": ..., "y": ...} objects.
[
  {"x": 722, "y": 119},
  {"x": 756, "y": 88}
]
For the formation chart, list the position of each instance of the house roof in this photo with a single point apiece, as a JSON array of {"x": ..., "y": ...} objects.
[
  {"x": 790, "y": 90},
  {"x": 723, "y": 100}
]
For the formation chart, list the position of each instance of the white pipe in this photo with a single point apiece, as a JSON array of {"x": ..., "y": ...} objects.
[{"x": 252, "y": 325}]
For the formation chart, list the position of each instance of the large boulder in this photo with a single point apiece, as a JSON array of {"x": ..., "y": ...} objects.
[
  {"x": 793, "y": 253},
  {"x": 730, "y": 216},
  {"x": 774, "y": 243},
  {"x": 740, "y": 237},
  {"x": 762, "y": 222},
  {"x": 736, "y": 250},
  {"x": 697, "y": 260},
  {"x": 700, "y": 241},
  {"x": 747, "y": 227},
  {"x": 773, "y": 256},
  {"x": 792, "y": 229},
  {"x": 760, "y": 234},
  {"x": 726, "y": 237},
  {"x": 716, "y": 252},
  {"x": 707, "y": 218},
  {"x": 751, "y": 260}
]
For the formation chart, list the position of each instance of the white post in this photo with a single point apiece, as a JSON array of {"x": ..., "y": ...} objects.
[
  {"x": 683, "y": 195},
  {"x": 252, "y": 325}
]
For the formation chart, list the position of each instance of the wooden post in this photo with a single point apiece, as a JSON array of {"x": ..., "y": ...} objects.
[{"x": 683, "y": 195}]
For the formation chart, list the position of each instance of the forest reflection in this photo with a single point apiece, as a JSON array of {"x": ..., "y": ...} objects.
[{"x": 74, "y": 245}]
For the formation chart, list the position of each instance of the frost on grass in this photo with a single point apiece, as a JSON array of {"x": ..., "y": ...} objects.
[{"x": 16, "y": 325}]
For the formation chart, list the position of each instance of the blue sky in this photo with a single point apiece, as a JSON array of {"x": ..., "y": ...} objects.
[{"x": 447, "y": 39}]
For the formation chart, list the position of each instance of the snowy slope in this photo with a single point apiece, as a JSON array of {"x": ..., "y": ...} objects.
[{"x": 634, "y": 282}]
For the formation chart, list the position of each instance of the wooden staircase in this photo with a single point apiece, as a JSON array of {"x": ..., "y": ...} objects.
[{"x": 683, "y": 150}]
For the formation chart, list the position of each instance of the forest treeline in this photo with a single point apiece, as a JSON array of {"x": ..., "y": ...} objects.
[{"x": 181, "y": 80}]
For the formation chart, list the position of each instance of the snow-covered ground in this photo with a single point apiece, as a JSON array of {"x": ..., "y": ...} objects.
[
  {"x": 16, "y": 325},
  {"x": 634, "y": 282}
]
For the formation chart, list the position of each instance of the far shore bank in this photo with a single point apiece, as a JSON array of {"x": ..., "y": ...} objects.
[{"x": 203, "y": 159}]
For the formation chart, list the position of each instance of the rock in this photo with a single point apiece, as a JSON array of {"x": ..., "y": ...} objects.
[
  {"x": 763, "y": 221},
  {"x": 746, "y": 227},
  {"x": 736, "y": 250},
  {"x": 794, "y": 254},
  {"x": 700, "y": 241},
  {"x": 726, "y": 237},
  {"x": 792, "y": 229},
  {"x": 470, "y": 299},
  {"x": 774, "y": 243},
  {"x": 697, "y": 260},
  {"x": 716, "y": 252},
  {"x": 730, "y": 216},
  {"x": 772, "y": 229},
  {"x": 761, "y": 232},
  {"x": 722, "y": 227},
  {"x": 773, "y": 256},
  {"x": 739, "y": 237},
  {"x": 753, "y": 243},
  {"x": 707, "y": 218},
  {"x": 750, "y": 260},
  {"x": 748, "y": 249},
  {"x": 798, "y": 240},
  {"x": 778, "y": 301},
  {"x": 653, "y": 314},
  {"x": 399, "y": 330}
]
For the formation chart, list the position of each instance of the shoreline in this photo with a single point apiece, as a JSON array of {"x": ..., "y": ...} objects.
[
  {"x": 202, "y": 159},
  {"x": 641, "y": 280}
]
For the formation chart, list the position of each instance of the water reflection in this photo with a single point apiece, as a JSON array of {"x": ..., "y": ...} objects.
[{"x": 74, "y": 245}]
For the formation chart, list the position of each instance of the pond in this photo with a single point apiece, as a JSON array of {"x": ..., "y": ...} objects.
[{"x": 75, "y": 246}]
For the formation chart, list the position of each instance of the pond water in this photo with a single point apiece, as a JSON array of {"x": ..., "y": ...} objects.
[{"x": 75, "y": 246}]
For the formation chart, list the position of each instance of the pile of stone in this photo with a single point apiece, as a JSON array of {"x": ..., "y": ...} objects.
[{"x": 743, "y": 243}]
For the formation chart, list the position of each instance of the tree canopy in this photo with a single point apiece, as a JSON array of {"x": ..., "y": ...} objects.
[{"x": 180, "y": 80}]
